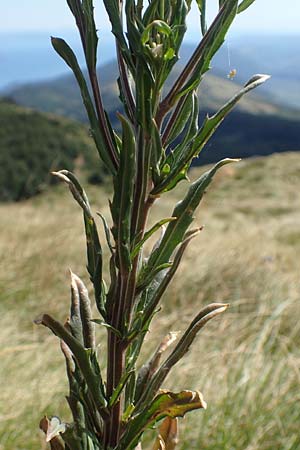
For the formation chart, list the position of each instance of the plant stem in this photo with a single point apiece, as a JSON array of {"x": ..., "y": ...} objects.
[{"x": 102, "y": 117}]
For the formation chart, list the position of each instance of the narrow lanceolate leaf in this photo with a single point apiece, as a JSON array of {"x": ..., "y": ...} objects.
[
  {"x": 160, "y": 284},
  {"x": 184, "y": 212},
  {"x": 175, "y": 156},
  {"x": 202, "y": 8},
  {"x": 199, "y": 62},
  {"x": 244, "y": 5},
  {"x": 168, "y": 435},
  {"x": 157, "y": 151},
  {"x": 107, "y": 232},
  {"x": 182, "y": 347},
  {"x": 165, "y": 404},
  {"x": 67, "y": 54},
  {"x": 123, "y": 198},
  {"x": 209, "y": 126},
  {"x": 147, "y": 371},
  {"x": 179, "y": 119},
  {"x": 93, "y": 246},
  {"x": 75, "y": 317},
  {"x": 88, "y": 327},
  {"x": 85, "y": 359},
  {"x": 210, "y": 44},
  {"x": 113, "y": 10},
  {"x": 119, "y": 388},
  {"x": 149, "y": 233},
  {"x": 91, "y": 38}
]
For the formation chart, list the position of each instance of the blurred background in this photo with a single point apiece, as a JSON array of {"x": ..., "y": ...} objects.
[
  {"x": 247, "y": 254},
  {"x": 264, "y": 39}
]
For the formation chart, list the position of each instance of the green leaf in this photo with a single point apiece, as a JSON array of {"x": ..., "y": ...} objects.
[
  {"x": 94, "y": 249},
  {"x": 170, "y": 404},
  {"x": 175, "y": 155},
  {"x": 144, "y": 86},
  {"x": 147, "y": 370},
  {"x": 161, "y": 26},
  {"x": 182, "y": 347},
  {"x": 147, "y": 276},
  {"x": 210, "y": 44},
  {"x": 184, "y": 211},
  {"x": 107, "y": 325},
  {"x": 160, "y": 284},
  {"x": 209, "y": 126},
  {"x": 123, "y": 195},
  {"x": 119, "y": 388},
  {"x": 113, "y": 11},
  {"x": 67, "y": 54},
  {"x": 88, "y": 328},
  {"x": 244, "y": 5},
  {"x": 85, "y": 358},
  {"x": 170, "y": 54},
  {"x": 190, "y": 77},
  {"x": 75, "y": 317},
  {"x": 202, "y": 8},
  {"x": 149, "y": 233},
  {"x": 91, "y": 38},
  {"x": 157, "y": 151},
  {"x": 107, "y": 232},
  {"x": 151, "y": 12},
  {"x": 183, "y": 117}
]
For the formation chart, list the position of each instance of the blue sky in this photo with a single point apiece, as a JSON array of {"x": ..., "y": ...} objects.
[{"x": 264, "y": 16}]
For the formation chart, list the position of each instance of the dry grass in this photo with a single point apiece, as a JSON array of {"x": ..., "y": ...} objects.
[{"x": 247, "y": 363}]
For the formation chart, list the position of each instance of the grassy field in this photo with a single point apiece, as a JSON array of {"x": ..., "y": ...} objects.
[{"x": 246, "y": 363}]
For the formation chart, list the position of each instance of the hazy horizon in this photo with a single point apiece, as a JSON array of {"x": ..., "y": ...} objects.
[
  {"x": 265, "y": 16},
  {"x": 25, "y": 30}
]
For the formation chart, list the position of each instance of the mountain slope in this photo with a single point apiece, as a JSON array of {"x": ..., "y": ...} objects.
[
  {"x": 61, "y": 95},
  {"x": 277, "y": 55},
  {"x": 32, "y": 144},
  {"x": 256, "y": 127}
]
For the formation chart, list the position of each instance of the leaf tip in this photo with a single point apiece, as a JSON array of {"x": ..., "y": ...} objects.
[
  {"x": 39, "y": 320},
  {"x": 257, "y": 79}
]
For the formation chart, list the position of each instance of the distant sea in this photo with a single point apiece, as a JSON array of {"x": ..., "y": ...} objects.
[{"x": 29, "y": 57}]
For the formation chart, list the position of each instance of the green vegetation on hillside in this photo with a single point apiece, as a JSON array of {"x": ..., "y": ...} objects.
[
  {"x": 33, "y": 144},
  {"x": 252, "y": 224},
  {"x": 256, "y": 127}
]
